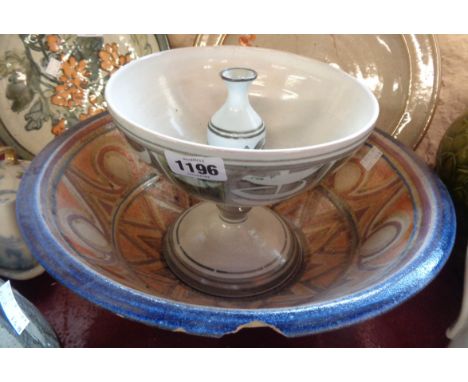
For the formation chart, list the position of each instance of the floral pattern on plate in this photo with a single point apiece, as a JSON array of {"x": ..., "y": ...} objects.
[{"x": 50, "y": 82}]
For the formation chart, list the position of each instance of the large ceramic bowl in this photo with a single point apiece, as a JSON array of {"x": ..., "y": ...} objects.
[
  {"x": 94, "y": 216},
  {"x": 315, "y": 115}
]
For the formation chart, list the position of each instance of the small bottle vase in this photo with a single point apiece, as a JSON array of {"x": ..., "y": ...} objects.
[{"x": 236, "y": 124}]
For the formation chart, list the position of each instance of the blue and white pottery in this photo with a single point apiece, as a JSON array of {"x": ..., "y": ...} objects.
[{"x": 16, "y": 261}]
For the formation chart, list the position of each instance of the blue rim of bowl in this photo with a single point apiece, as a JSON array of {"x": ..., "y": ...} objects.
[{"x": 214, "y": 321}]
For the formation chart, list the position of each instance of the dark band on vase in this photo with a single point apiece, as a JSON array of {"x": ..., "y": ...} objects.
[
  {"x": 236, "y": 135},
  {"x": 253, "y": 76}
]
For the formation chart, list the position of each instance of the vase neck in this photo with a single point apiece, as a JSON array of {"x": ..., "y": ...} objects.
[
  {"x": 238, "y": 81},
  {"x": 238, "y": 94}
]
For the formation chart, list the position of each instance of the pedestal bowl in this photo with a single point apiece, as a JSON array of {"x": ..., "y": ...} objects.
[{"x": 315, "y": 115}]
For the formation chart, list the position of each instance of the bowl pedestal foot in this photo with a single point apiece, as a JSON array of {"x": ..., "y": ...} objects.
[{"x": 233, "y": 251}]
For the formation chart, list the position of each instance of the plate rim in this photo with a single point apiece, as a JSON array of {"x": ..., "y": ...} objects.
[
  {"x": 214, "y": 321},
  {"x": 218, "y": 39}
]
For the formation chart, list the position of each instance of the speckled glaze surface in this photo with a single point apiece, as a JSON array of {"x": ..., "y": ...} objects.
[
  {"x": 39, "y": 100},
  {"x": 94, "y": 216},
  {"x": 403, "y": 71}
]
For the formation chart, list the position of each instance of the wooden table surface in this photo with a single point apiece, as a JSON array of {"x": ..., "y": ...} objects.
[{"x": 419, "y": 322}]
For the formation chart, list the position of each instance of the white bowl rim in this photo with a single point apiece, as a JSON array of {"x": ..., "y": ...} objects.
[{"x": 234, "y": 153}]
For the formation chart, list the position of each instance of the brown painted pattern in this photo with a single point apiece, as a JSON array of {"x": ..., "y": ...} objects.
[{"x": 115, "y": 222}]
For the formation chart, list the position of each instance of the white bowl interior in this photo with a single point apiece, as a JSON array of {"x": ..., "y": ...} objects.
[{"x": 302, "y": 101}]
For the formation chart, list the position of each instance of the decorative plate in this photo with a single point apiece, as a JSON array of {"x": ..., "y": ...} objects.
[
  {"x": 50, "y": 82},
  {"x": 403, "y": 71},
  {"x": 94, "y": 216},
  {"x": 38, "y": 333}
]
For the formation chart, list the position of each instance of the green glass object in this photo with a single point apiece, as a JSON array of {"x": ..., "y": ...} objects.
[{"x": 452, "y": 159}]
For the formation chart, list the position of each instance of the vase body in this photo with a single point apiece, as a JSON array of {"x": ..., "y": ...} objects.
[{"x": 236, "y": 124}]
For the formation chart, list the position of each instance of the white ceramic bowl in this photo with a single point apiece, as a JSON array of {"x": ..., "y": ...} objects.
[{"x": 315, "y": 115}]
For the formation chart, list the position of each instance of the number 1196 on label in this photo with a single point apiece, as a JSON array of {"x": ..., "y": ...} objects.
[
  {"x": 208, "y": 168},
  {"x": 200, "y": 168}
]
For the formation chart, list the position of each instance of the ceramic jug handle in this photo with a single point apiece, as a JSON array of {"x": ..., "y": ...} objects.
[{"x": 9, "y": 155}]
